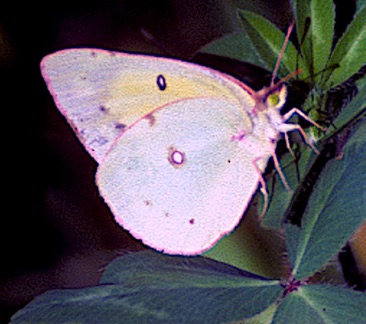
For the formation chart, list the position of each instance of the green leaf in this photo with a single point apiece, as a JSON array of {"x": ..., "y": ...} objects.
[
  {"x": 322, "y": 304},
  {"x": 293, "y": 308},
  {"x": 148, "y": 287},
  {"x": 335, "y": 210},
  {"x": 236, "y": 46},
  {"x": 316, "y": 37},
  {"x": 349, "y": 52},
  {"x": 293, "y": 234},
  {"x": 149, "y": 268},
  {"x": 302, "y": 14},
  {"x": 280, "y": 197},
  {"x": 361, "y": 83},
  {"x": 353, "y": 109},
  {"x": 268, "y": 40},
  {"x": 322, "y": 30},
  {"x": 252, "y": 248},
  {"x": 360, "y": 4},
  {"x": 247, "y": 47}
]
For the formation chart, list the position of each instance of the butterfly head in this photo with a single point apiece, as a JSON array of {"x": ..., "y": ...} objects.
[{"x": 270, "y": 98}]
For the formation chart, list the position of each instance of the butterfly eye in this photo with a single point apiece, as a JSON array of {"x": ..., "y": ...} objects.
[
  {"x": 273, "y": 99},
  {"x": 277, "y": 98}
]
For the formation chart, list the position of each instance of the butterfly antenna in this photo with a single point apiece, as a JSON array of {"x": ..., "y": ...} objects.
[
  {"x": 280, "y": 56},
  {"x": 286, "y": 78}
]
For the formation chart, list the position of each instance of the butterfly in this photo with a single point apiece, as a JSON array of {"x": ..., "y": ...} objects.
[{"x": 181, "y": 148}]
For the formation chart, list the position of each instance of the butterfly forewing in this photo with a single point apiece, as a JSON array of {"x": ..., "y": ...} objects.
[{"x": 102, "y": 92}]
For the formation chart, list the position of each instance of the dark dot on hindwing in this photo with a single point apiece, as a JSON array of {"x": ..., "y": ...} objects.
[
  {"x": 191, "y": 221},
  {"x": 147, "y": 202},
  {"x": 161, "y": 82},
  {"x": 103, "y": 109},
  {"x": 151, "y": 119}
]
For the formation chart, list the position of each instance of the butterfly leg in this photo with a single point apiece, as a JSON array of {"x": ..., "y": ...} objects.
[
  {"x": 289, "y": 146},
  {"x": 279, "y": 170},
  {"x": 288, "y": 128},
  {"x": 294, "y": 111},
  {"x": 265, "y": 206},
  {"x": 263, "y": 183},
  {"x": 263, "y": 189}
]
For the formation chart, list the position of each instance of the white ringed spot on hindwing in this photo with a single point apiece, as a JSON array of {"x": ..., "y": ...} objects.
[{"x": 176, "y": 158}]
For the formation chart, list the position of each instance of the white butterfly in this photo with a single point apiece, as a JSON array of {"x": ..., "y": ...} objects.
[{"x": 181, "y": 148}]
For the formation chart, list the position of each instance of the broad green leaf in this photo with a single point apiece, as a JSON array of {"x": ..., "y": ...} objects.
[
  {"x": 294, "y": 309},
  {"x": 252, "y": 247},
  {"x": 148, "y": 287},
  {"x": 151, "y": 269},
  {"x": 268, "y": 40},
  {"x": 293, "y": 234},
  {"x": 322, "y": 304},
  {"x": 349, "y": 52},
  {"x": 335, "y": 210},
  {"x": 264, "y": 317}
]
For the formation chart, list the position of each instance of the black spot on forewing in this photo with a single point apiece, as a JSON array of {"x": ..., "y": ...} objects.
[
  {"x": 161, "y": 82},
  {"x": 119, "y": 126},
  {"x": 98, "y": 141}
]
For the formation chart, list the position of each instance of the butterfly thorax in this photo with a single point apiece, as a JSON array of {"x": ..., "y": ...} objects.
[{"x": 266, "y": 124}]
